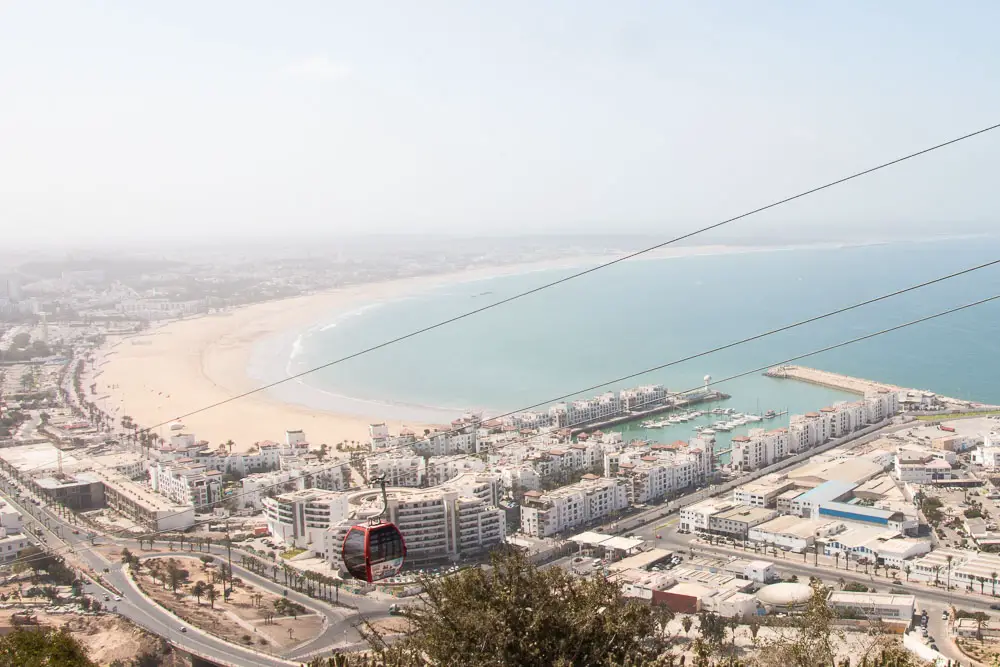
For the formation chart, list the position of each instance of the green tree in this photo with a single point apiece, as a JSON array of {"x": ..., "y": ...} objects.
[
  {"x": 212, "y": 593},
  {"x": 712, "y": 628},
  {"x": 36, "y": 560},
  {"x": 42, "y": 648},
  {"x": 198, "y": 589},
  {"x": 516, "y": 614}
]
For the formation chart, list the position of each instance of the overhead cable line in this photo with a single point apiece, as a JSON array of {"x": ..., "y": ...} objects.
[
  {"x": 729, "y": 378},
  {"x": 579, "y": 274}
]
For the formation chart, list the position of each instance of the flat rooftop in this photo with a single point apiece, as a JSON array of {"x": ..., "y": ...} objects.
[
  {"x": 827, "y": 491},
  {"x": 878, "y": 486},
  {"x": 856, "y": 471},
  {"x": 641, "y": 561},
  {"x": 765, "y": 485},
  {"x": 139, "y": 494},
  {"x": 747, "y": 513},
  {"x": 872, "y": 599},
  {"x": 792, "y": 525},
  {"x": 39, "y": 457}
]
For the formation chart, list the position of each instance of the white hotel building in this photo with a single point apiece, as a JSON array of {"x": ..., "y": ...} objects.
[
  {"x": 302, "y": 518},
  {"x": 759, "y": 448},
  {"x": 446, "y": 522},
  {"x": 313, "y": 476},
  {"x": 186, "y": 482},
  {"x": 660, "y": 470},
  {"x": 399, "y": 468},
  {"x": 545, "y": 514}
]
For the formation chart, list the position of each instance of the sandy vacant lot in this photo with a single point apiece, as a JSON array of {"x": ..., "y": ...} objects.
[{"x": 246, "y": 618}]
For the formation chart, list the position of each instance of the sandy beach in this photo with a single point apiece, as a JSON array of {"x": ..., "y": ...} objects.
[{"x": 189, "y": 365}]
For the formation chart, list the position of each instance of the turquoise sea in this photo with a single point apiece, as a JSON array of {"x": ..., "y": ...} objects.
[{"x": 643, "y": 313}]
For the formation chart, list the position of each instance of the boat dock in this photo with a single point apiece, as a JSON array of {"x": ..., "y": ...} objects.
[{"x": 676, "y": 403}]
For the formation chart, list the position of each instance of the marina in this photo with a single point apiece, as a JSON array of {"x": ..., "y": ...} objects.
[{"x": 676, "y": 401}]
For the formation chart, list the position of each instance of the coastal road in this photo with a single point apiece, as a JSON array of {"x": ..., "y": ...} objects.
[{"x": 339, "y": 630}]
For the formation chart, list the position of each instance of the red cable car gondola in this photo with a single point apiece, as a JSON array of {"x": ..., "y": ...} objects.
[{"x": 376, "y": 550}]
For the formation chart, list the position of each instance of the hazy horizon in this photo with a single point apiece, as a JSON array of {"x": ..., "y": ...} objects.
[{"x": 130, "y": 125}]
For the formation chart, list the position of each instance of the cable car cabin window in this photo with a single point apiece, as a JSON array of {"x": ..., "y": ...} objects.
[
  {"x": 354, "y": 554},
  {"x": 384, "y": 543}
]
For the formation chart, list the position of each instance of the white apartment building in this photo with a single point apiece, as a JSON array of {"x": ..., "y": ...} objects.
[
  {"x": 881, "y": 404},
  {"x": 461, "y": 440},
  {"x": 988, "y": 454},
  {"x": 10, "y": 518},
  {"x": 844, "y": 418},
  {"x": 321, "y": 476},
  {"x": 138, "y": 503},
  {"x": 130, "y": 464},
  {"x": 302, "y": 518},
  {"x": 11, "y": 545},
  {"x": 642, "y": 397},
  {"x": 920, "y": 467},
  {"x": 523, "y": 421},
  {"x": 759, "y": 448},
  {"x": 521, "y": 476},
  {"x": 763, "y": 492},
  {"x": 654, "y": 473},
  {"x": 545, "y": 514},
  {"x": 697, "y": 517},
  {"x": 807, "y": 431},
  {"x": 399, "y": 469},
  {"x": 447, "y": 522},
  {"x": 186, "y": 482},
  {"x": 441, "y": 469},
  {"x": 261, "y": 457},
  {"x": 378, "y": 435},
  {"x": 257, "y": 486},
  {"x": 563, "y": 460}
]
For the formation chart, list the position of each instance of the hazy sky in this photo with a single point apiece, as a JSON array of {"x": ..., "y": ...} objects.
[{"x": 128, "y": 119}]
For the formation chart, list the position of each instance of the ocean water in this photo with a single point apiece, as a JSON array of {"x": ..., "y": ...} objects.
[{"x": 644, "y": 313}]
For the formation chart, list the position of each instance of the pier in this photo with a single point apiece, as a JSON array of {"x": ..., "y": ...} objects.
[
  {"x": 679, "y": 401},
  {"x": 856, "y": 385},
  {"x": 828, "y": 379}
]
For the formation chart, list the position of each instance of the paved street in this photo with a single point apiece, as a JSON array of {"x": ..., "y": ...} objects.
[{"x": 338, "y": 630}]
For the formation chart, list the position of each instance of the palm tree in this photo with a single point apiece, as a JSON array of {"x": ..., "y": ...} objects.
[
  {"x": 198, "y": 590},
  {"x": 949, "y": 572},
  {"x": 982, "y": 584},
  {"x": 993, "y": 578},
  {"x": 907, "y": 569},
  {"x": 836, "y": 560},
  {"x": 212, "y": 594},
  {"x": 937, "y": 573},
  {"x": 229, "y": 444}
]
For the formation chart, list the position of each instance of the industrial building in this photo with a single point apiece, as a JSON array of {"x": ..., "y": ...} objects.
[
  {"x": 736, "y": 522},
  {"x": 874, "y": 606}
]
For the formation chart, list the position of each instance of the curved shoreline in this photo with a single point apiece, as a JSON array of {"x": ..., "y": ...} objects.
[{"x": 199, "y": 365}]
